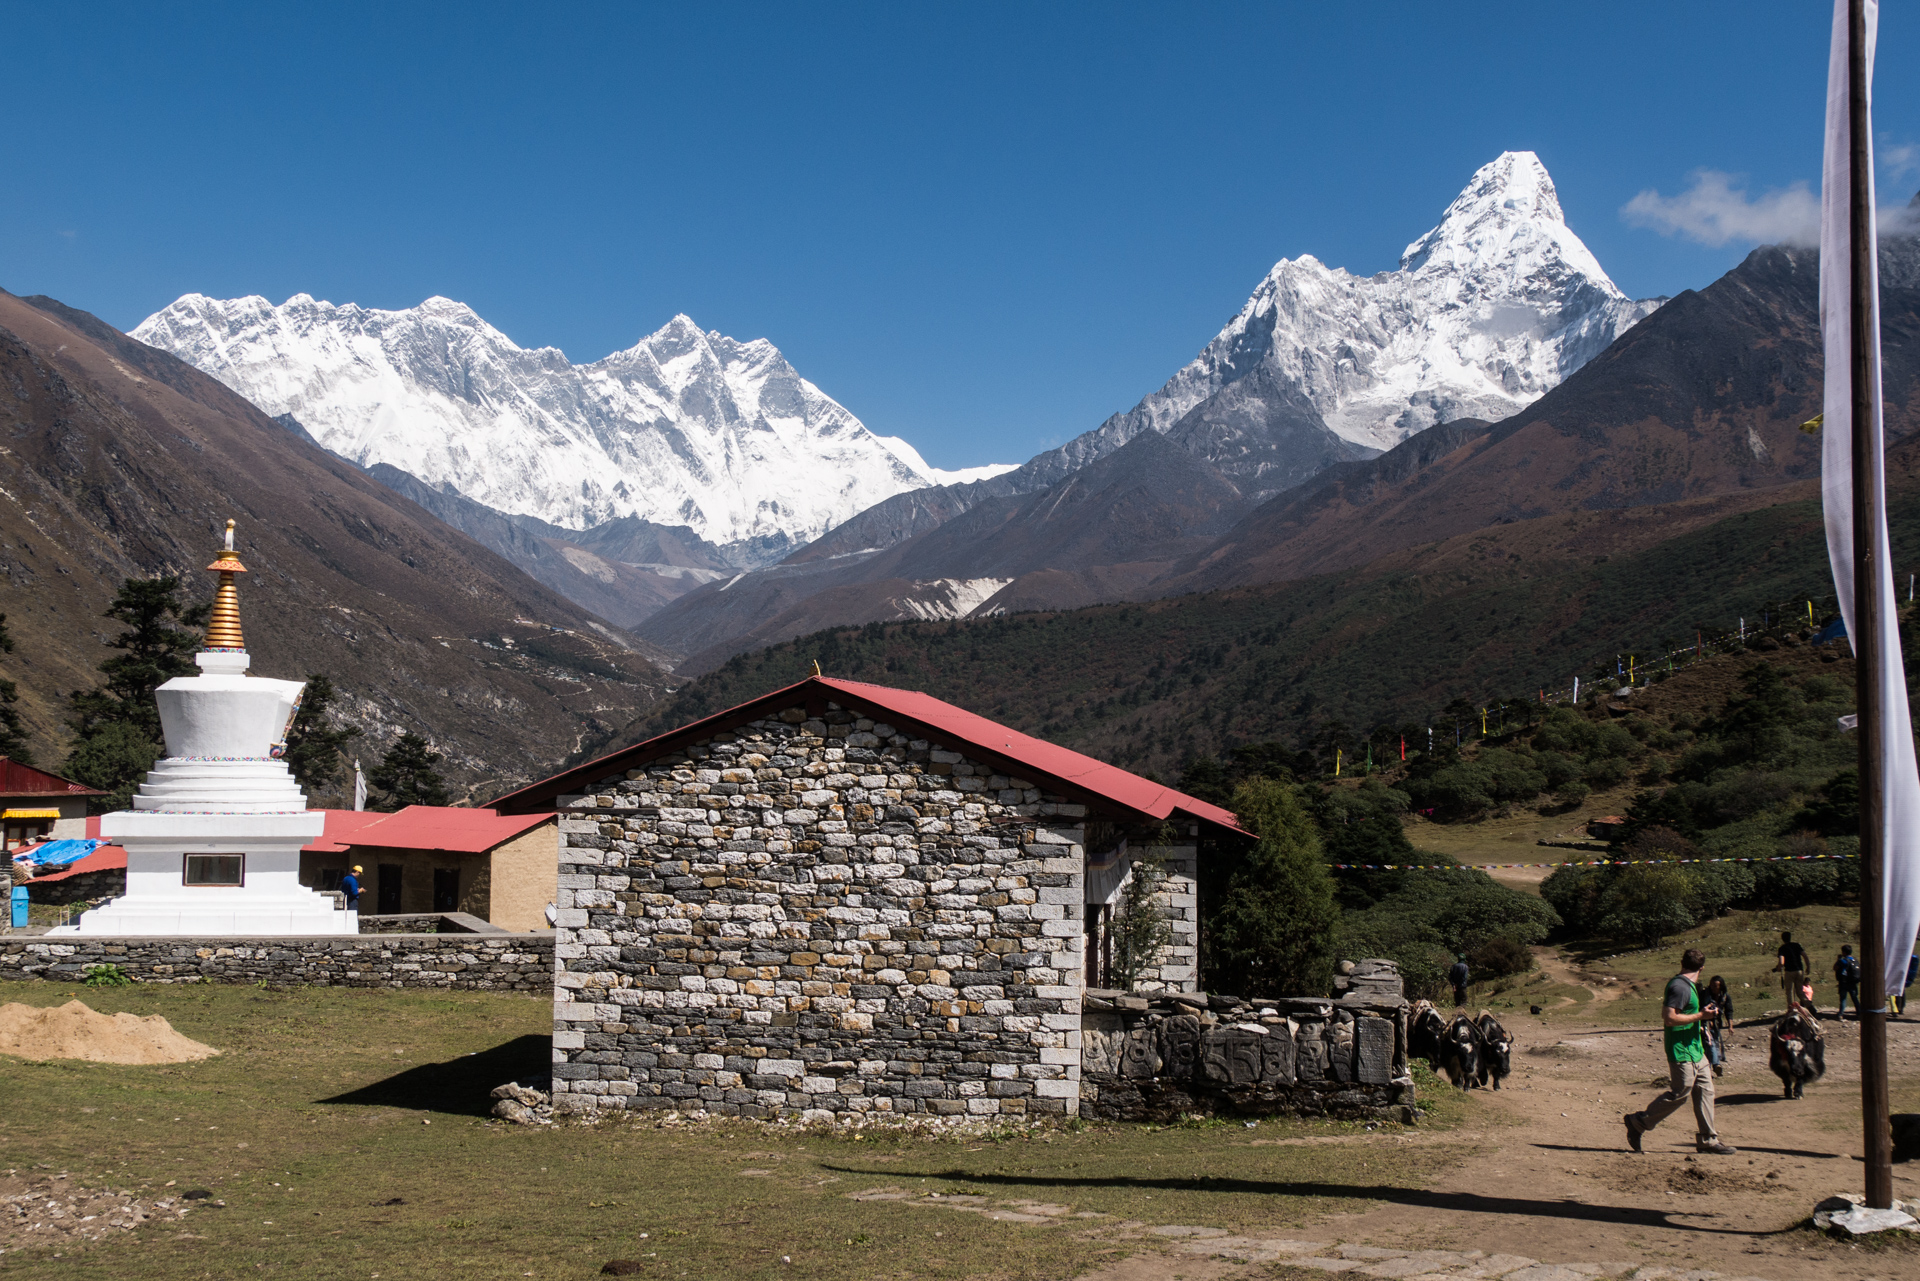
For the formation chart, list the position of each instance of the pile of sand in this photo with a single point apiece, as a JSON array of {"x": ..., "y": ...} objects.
[{"x": 73, "y": 1031}]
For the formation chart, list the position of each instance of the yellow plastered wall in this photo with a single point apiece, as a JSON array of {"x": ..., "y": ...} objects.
[{"x": 525, "y": 877}]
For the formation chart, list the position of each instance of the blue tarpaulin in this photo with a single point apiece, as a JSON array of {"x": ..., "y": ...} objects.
[
  {"x": 58, "y": 853},
  {"x": 1836, "y": 630}
]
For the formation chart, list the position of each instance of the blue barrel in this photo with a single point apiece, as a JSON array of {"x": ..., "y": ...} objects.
[{"x": 19, "y": 906}]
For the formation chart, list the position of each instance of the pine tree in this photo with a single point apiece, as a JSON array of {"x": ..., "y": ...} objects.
[
  {"x": 405, "y": 775},
  {"x": 1141, "y": 932},
  {"x": 118, "y": 723},
  {"x": 316, "y": 749},
  {"x": 1270, "y": 929},
  {"x": 13, "y": 738}
]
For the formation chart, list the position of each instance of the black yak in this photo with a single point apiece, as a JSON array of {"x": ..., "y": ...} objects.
[
  {"x": 1460, "y": 1052},
  {"x": 1425, "y": 1029},
  {"x": 1798, "y": 1051},
  {"x": 1496, "y": 1050}
]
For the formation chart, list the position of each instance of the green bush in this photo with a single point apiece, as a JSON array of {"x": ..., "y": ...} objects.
[
  {"x": 107, "y": 975},
  {"x": 1269, "y": 917}
]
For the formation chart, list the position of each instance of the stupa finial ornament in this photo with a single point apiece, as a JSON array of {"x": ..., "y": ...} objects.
[{"x": 223, "y": 628}]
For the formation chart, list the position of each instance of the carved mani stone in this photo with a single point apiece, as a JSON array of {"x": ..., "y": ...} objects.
[
  {"x": 1340, "y": 1051},
  {"x": 1309, "y": 1051},
  {"x": 1180, "y": 1046},
  {"x": 1276, "y": 1057},
  {"x": 1231, "y": 1056},
  {"x": 1374, "y": 1038},
  {"x": 1137, "y": 1057}
]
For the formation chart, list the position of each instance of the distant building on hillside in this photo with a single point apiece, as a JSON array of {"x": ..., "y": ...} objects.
[
  {"x": 843, "y": 897},
  {"x": 435, "y": 858},
  {"x": 38, "y": 806}
]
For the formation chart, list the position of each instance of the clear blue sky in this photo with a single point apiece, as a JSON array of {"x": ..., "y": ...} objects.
[{"x": 983, "y": 228}]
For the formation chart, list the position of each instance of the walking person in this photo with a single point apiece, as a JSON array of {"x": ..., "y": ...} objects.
[
  {"x": 1913, "y": 970},
  {"x": 1691, "y": 1078},
  {"x": 1458, "y": 976},
  {"x": 1846, "y": 975},
  {"x": 1790, "y": 963},
  {"x": 1722, "y": 1001}
]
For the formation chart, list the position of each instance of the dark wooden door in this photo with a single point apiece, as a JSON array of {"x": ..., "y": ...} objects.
[
  {"x": 389, "y": 889},
  {"x": 446, "y": 889}
]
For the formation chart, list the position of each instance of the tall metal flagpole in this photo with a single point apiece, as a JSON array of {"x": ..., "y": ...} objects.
[{"x": 1867, "y": 449}]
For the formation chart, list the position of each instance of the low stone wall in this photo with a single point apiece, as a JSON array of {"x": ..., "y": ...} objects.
[
  {"x": 473, "y": 962},
  {"x": 1157, "y": 1057},
  {"x": 84, "y": 887}
]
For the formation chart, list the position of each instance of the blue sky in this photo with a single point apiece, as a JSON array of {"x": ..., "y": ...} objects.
[{"x": 983, "y": 228}]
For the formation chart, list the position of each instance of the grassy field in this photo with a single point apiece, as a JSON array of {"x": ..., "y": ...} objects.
[
  {"x": 1740, "y": 947},
  {"x": 345, "y": 1132}
]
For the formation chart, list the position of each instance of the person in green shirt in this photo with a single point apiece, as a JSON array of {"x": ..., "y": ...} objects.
[{"x": 1692, "y": 1079}]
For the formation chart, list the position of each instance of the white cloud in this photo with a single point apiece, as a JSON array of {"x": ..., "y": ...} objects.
[
  {"x": 1897, "y": 162},
  {"x": 1714, "y": 211}
]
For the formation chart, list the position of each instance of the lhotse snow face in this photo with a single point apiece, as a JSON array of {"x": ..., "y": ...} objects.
[
  {"x": 684, "y": 428},
  {"x": 1487, "y": 312}
]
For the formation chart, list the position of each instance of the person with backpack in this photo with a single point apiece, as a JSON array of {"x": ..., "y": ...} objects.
[
  {"x": 1458, "y": 976},
  {"x": 1846, "y": 973},
  {"x": 1790, "y": 963},
  {"x": 1683, "y": 1014},
  {"x": 1722, "y": 1000}
]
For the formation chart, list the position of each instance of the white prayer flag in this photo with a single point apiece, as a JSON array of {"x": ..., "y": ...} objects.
[
  {"x": 1899, "y": 782},
  {"x": 359, "y": 786}
]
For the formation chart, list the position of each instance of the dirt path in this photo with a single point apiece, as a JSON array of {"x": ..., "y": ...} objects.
[{"x": 1553, "y": 1181}]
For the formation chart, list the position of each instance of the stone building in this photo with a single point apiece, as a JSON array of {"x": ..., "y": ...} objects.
[
  {"x": 848, "y": 897},
  {"x": 441, "y": 858}
]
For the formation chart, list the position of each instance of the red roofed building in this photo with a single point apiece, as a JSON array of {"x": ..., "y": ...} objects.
[
  {"x": 844, "y": 897},
  {"x": 36, "y": 805},
  {"x": 439, "y": 858}
]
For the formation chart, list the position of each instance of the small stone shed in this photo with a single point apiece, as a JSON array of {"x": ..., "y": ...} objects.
[
  {"x": 441, "y": 858},
  {"x": 845, "y": 897}
]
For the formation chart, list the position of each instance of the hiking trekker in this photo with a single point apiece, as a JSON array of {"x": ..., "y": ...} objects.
[
  {"x": 1458, "y": 976},
  {"x": 1790, "y": 963},
  {"x": 1846, "y": 974},
  {"x": 1691, "y": 1076},
  {"x": 1722, "y": 1000}
]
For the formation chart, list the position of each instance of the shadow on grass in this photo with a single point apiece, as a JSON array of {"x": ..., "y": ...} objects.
[
  {"x": 1681, "y": 1145},
  {"x": 459, "y": 1086},
  {"x": 1419, "y": 1198}
]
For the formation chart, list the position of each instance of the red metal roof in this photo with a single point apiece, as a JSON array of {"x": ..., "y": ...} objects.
[
  {"x": 18, "y": 779},
  {"x": 423, "y": 827},
  {"x": 1021, "y": 755}
]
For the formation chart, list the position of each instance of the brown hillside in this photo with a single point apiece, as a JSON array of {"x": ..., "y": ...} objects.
[{"x": 119, "y": 460}]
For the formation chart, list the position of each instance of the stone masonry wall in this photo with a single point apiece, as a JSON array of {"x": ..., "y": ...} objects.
[
  {"x": 1158, "y": 1056},
  {"x": 819, "y": 915},
  {"x": 475, "y": 962}
]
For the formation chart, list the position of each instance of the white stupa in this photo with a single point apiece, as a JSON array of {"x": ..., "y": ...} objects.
[{"x": 213, "y": 839}]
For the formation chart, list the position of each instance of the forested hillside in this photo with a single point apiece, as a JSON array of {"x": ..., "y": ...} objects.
[{"x": 1495, "y": 615}]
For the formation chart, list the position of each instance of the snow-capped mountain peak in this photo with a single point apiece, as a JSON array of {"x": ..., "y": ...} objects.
[
  {"x": 687, "y": 426},
  {"x": 1488, "y": 311}
]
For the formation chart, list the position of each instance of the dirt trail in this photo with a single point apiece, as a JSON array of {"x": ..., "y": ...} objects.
[{"x": 1553, "y": 1180}]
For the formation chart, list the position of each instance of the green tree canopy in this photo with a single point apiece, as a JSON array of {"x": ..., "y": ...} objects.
[
  {"x": 316, "y": 748},
  {"x": 1269, "y": 930},
  {"x": 13, "y": 737},
  {"x": 121, "y": 713},
  {"x": 405, "y": 775}
]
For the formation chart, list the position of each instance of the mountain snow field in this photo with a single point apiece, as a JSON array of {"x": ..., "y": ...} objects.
[{"x": 684, "y": 428}]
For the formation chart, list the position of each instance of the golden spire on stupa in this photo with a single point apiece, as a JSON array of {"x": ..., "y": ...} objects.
[{"x": 223, "y": 628}]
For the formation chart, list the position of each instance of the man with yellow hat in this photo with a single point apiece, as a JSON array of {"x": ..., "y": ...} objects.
[{"x": 350, "y": 886}]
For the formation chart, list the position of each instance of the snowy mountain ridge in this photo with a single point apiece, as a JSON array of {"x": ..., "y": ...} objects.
[
  {"x": 684, "y": 428},
  {"x": 1486, "y": 313}
]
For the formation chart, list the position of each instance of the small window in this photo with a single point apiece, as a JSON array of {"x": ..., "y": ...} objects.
[{"x": 216, "y": 869}]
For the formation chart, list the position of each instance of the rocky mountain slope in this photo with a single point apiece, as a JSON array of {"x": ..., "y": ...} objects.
[
  {"x": 1496, "y": 305},
  {"x": 121, "y": 460},
  {"x": 684, "y": 428}
]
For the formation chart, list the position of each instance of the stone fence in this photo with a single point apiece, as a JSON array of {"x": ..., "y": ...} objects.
[
  {"x": 471, "y": 962},
  {"x": 1161, "y": 1055}
]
